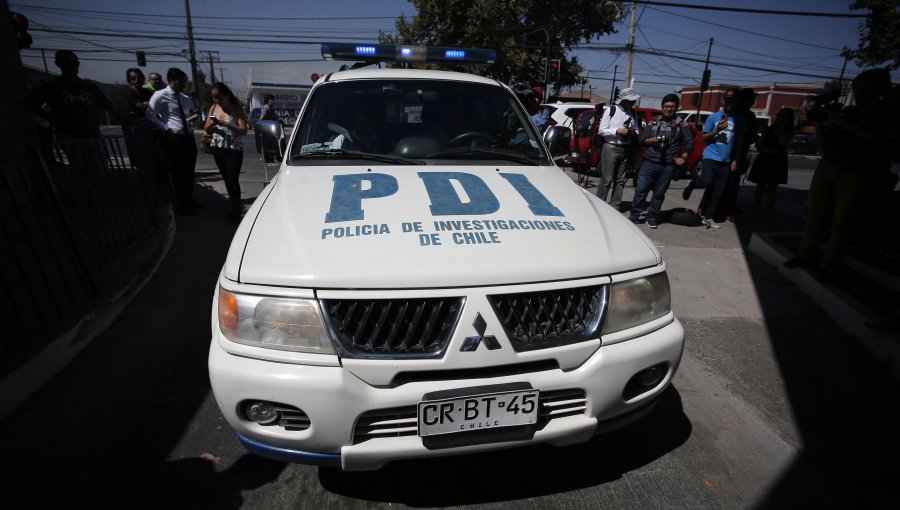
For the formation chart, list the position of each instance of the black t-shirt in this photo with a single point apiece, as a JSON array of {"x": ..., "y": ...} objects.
[
  {"x": 75, "y": 106},
  {"x": 141, "y": 95}
]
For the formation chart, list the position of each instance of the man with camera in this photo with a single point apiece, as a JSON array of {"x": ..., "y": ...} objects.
[
  {"x": 619, "y": 129},
  {"x": 855, "y": 146},
  {"x": 667, "y": 142},
  {"x": 723, "y": 133}
]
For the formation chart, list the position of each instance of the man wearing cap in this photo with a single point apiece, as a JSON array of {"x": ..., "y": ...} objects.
[
  {"x": 746, "y": 99},
  {"x": 724, "y": 134},
  {"x": 619, "y": 129}
]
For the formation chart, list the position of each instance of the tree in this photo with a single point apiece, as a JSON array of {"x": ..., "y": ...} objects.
[
  {"x": 879, "y": 36},
  {"x": 517, "y": 29}
]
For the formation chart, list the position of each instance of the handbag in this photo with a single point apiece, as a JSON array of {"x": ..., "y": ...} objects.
[{"x": 206, "y": 143}]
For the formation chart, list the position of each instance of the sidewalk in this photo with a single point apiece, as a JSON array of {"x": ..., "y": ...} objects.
[{"x": 862, "y": 300}]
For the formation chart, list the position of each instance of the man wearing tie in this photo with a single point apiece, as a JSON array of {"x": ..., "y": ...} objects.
[{"x": 168, "y": 110}]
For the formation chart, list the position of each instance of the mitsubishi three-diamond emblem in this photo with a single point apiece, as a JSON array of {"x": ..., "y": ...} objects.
[{"x": 471, "y": 342}]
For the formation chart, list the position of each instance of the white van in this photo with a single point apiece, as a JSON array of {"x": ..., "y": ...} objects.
[
  {"x": 693, "y": 117},
  {"x": 431, "y": 285}
]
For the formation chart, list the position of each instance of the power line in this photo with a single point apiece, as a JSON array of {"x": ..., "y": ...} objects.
[
  {"x": 751, "y": 11},
  {"x": 142, "y": 14},
  {"x": 707, "y": 22},
  {"x": 713, "y": 62},
  {"x": 181, "y": 38}
]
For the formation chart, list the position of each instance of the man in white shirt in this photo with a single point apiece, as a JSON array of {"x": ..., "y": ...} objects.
[
  {"x": 168, "y": 111},
  {"x": 619, "y": 129}
]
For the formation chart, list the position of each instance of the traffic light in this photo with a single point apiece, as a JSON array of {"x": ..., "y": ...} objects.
[
  {"x": 616, "y": 93},
  {"x": 141, "y": 58},
  {"x": 704, "y": 83},
  {"x": 553, "y": 71},
  {"x": 20, "y": 28}
]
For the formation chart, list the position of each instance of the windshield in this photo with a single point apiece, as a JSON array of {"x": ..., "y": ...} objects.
[{"x": 395, "y": 121}]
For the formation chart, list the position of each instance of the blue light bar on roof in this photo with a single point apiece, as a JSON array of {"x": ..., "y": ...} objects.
[
  {"x": 358, "y": 52},
  {"x": 407, "y": 53}
]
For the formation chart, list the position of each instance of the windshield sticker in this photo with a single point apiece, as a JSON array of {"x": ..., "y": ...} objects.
[
  {"x": 451, "y": 194},
  {"x": 315, "y": 147}
]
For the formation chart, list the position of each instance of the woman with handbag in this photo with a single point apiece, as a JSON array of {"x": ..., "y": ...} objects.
[
  {"x": 225, "y": 124},
  {"x": 770, "y": 168}
]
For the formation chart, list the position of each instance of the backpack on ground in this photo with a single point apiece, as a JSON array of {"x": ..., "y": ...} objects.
[{"x": 683, "y": 216}]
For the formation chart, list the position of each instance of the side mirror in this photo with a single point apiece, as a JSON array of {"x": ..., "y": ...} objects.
[
  {"x": 270, "y": 141},
  {"x": 557, "y": 139}
]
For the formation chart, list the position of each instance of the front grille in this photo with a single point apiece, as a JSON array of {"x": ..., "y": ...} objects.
[
  {"x": 386, "y": 423},
  {"x": 537, "y": 320},
  {"x": 560, "y": 403},
  {"x": 393, "y": 328},
  {"x": 292, "y": 418},
  {"x": 402, "y": 421}
]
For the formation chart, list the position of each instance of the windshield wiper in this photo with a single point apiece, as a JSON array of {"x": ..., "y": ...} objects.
[
  {"x": 481, "y": 153},
  {"x": 345, "y": 154}
]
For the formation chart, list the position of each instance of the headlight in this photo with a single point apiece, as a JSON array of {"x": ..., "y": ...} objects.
[
  {"x": 637, "y": 301},
  {"x": 274, "y": 323}
]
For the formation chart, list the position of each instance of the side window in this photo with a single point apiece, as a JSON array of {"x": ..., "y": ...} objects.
[{"x": 584, "y": 122}]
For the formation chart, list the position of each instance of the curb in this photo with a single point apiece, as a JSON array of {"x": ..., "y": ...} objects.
[
  {"x": 31, "y": 376},
  {"x": 848, "y": 313}
]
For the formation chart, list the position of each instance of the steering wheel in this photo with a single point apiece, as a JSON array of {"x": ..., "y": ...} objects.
[{"x": 470, "y": 137}]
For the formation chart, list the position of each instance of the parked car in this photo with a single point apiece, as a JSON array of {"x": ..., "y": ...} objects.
[
  {"x": 563, "y": 114},
  {"x": 802, "y": 143},
  {"x": 693, "y": 118},
  {"x": 375, "y": 305}
]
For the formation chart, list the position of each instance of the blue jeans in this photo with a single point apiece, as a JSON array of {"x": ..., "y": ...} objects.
[{"x": 655, "y": 176}]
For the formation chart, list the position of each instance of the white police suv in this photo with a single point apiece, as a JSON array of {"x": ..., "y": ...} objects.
[{"x": 419, "y": 279}]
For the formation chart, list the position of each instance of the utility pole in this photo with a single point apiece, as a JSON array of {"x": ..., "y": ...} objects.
[
  {"x": 588, "y": 77},
  {"x": 212, "y": 69},
  {"x": 612, "y": 91},
  {"x": 44, "y": 57},
  {"x": 190, "y": 34},
  {"x": 630, "y": 47},
  {"x": 705, "y": 70}
]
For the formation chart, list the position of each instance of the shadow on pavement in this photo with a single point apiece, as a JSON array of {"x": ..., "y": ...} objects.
[
  {"x": 103, "y": 430},
  {"x": 846, "y": 404},
  {"x": 520, "y": 473}
]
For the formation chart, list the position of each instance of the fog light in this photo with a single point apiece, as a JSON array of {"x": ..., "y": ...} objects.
[
  {"x": 651, "y": 376},
  {"x": 644, "y": 381},
  {"x": 263, "y": 413}
]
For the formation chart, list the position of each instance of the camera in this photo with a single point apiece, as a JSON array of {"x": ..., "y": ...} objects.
[
  {"x": 817, "y": 104},
  {"x": 817, "y": 113},
  {"x": 663, "y": 143}
]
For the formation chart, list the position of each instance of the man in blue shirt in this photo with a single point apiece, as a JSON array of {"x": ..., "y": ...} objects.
[{"x": 724, "y": 132}]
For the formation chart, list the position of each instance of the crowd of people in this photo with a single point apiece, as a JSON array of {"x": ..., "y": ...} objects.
[
  {"x": 73, "y": 107},
  {"x": 855, "y": 142}
]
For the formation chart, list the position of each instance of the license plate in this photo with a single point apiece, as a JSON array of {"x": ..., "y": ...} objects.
[{"x": 478, "y": 412}]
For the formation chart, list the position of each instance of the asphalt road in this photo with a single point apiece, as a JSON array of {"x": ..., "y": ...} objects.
[{"x": 772, "y": 406}]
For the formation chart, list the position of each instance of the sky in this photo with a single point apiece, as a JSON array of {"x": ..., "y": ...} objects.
[{"x": 774, "y": 44}]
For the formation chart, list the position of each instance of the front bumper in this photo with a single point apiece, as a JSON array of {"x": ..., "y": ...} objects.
[{"x": 334, "y": 399}]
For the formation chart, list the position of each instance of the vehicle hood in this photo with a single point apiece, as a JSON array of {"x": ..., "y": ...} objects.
[{"x": 405, "y": 226}]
